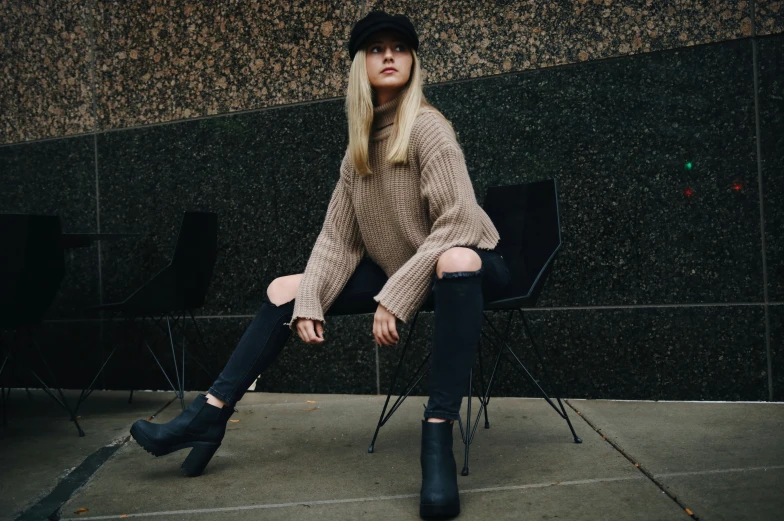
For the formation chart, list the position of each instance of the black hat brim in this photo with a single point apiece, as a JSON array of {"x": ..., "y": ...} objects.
[{"x": 370, "y": 31}]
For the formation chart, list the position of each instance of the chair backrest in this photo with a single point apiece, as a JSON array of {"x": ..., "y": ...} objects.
[
  {"x": 194, "y": 257},
  {"x": 32, "y": 267},
  {"x": 527, "y": 219}
]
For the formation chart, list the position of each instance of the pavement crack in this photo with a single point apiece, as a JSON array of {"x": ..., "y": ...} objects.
[{"x": 648, "y": 474}]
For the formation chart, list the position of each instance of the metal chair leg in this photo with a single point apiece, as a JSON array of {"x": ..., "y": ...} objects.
[
  {"x": 520, "y": 367},
  {"x": 564, "y": 415},
  {"x": 138, "y": 359},
  {"x": 87, "y": 391},
  {"x": 467, "y": 438},
  {"x": 382, "y": 420},
  {"x": 178, "y": 391}
]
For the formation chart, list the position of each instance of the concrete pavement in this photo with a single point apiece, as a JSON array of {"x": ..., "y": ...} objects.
[{"x": 305, "y": 457}]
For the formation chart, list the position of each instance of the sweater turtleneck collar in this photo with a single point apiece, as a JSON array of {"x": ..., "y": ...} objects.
[{"x": 384, "y": 117}]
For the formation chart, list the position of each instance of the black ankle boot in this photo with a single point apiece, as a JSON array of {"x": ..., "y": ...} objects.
[
  {"x": 438, "y": 497},
  {"x": 200, "y": 426}
]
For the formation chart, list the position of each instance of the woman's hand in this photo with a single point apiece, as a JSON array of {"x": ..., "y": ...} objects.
[
  {"x": 384, "y": 327},
  {"x": 310, "y": 331}
]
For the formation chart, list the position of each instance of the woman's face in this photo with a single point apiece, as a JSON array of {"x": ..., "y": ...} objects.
[{"x": 388, "y": 61}]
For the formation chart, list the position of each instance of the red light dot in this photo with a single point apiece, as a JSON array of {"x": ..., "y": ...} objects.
[
  {"x": 737, "y": 187},
  {"x": 689, "y": 192}
]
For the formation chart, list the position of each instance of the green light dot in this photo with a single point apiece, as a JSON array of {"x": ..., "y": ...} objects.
[{"x": 688, "y": 165}]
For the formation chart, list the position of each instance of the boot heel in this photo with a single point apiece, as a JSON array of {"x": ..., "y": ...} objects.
[{"x": 198, "y": 458}]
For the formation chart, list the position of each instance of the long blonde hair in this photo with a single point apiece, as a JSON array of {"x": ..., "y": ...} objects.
[{"x": 359, "y": 110}]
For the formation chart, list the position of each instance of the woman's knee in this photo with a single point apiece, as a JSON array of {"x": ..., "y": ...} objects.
[
  {"x": 283, "y": 289},
  {"x": 458, "y": 259}
]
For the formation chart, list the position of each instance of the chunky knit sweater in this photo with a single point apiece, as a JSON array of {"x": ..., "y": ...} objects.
[{"x": 403, "y": 216}]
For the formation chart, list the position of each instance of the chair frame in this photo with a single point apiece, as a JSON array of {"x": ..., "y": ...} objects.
[
  {"x": 510, "y": 305},
  {"x": 127, "y": 310},
  {"x": 177, "y": 320},
  {"x": 5, "y": 393},
  {"x": 23, "y": 331}
]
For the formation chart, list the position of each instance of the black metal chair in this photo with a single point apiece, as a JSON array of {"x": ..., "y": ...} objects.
[
  {"x": 527, "y": 219},
  {"x": 32, "y": 267},
  {"x": 172, "y": 294}
]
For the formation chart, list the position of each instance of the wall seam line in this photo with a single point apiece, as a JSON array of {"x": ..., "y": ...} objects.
[{"x": 760, "y": 186}]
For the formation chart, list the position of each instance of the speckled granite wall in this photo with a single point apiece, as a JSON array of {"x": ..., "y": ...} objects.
[
  {"x": 615, "y": 133},
  {"x": 45, "y": 59},
  {"x": 770, "y": 16},
  {"x": 89, "y": 65}
]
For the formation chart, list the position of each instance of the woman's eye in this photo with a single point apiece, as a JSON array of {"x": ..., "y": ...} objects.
[{"x": 400, "y": 47}]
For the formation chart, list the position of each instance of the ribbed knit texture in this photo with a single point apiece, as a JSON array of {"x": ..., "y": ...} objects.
[{"x": 403, "y": 216}]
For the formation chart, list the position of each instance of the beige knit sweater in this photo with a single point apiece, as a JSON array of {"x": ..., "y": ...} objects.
[{"x": 403, "y": 216}]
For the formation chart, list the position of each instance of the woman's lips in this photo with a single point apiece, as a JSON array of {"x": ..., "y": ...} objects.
[{"x": 388, "y": 71}]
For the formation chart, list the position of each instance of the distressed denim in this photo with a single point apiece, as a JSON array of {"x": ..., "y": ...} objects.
[{"x": 457, "y": 299}]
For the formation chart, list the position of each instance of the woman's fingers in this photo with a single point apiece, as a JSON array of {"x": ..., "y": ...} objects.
[
  {"x": 320, "y": 330},
  {"x": 381, "y": 330},
  {"x": 307, "y": 333},
  {"x": 393, "y": 330},
  {"x": 387, "y": 335}
]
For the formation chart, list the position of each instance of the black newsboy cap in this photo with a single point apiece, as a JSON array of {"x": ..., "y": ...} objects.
[{"x": 376, "y": 21}]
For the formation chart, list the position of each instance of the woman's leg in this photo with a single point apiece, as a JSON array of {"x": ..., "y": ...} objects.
[
  {"x": 202, "y": 425},
  {"x": 458, "y": 303},
  {"x": 260, "y": 345},
  {"x": 461, "y": 278},
  {"x": 457, "y": 291},
  {"x": 459, "y": 286}
]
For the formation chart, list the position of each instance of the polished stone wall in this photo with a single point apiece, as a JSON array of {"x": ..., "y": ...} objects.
[
  {"x": 81, "y": 66},
  {"x": 656, "y": 294}
]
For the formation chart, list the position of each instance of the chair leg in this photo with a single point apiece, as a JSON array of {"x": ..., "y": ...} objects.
[
  {"x": 87, "y": 391},
  {"x": 520, "y": 367},
  {"x": 382, "y": 418},
  {"x": 62, "y": 400},
  {"x": 199, "y": 334},
  {"x": 177, "y": 323},
  {"x": 179, "y": 390},
  {"x": 160, "y": 366},
  {"x": 138, "y": 360},
  {"x": 467, "y": 437},
  {"x": 484, "y": 401},
  {"x": 564, "y": 415}
]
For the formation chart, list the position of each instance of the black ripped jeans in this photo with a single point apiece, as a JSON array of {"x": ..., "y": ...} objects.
[{"x": 458, "y": 299}]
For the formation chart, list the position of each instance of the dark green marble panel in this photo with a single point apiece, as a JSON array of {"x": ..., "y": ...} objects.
[
  {"x": 617, "y": 136},
  {"x": 690, "y": 353},
  {"x": 58, "y": 178},
  {"x": 268, "y": 175},
  {"x": 771, "y": 101}
]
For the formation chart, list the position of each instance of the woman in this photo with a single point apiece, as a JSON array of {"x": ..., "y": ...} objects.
[{"x": 402, "y": 221}]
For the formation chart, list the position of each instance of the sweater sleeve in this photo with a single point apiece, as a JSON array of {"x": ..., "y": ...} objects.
[
  {"x": 452, "y": 203},
  {"x": 335, "y": 256}
]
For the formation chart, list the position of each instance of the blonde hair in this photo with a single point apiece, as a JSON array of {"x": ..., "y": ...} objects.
[{"x": 359, "y": 110}]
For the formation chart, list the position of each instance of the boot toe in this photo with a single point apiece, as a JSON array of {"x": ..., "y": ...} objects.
[
  {"x": 144, "y": 433},
  {"x": 439, "y": 510}
]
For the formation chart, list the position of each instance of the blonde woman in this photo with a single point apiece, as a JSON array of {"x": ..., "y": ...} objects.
[{"x": 403, "y": 226}]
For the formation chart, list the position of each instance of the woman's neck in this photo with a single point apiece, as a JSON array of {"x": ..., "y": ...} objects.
[{"x": 384, "y": 96}]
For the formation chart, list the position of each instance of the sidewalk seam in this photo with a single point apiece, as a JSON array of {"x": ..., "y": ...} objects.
[
  {"x": 52, "y": 504},
  {"x": 647, "y": 473}
]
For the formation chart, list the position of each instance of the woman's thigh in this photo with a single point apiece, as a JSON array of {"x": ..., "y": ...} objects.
[
  {"x": 357, "y": 295},
  {"x": 495, "y": 275},
  {"x": 368, "y": 279}
]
